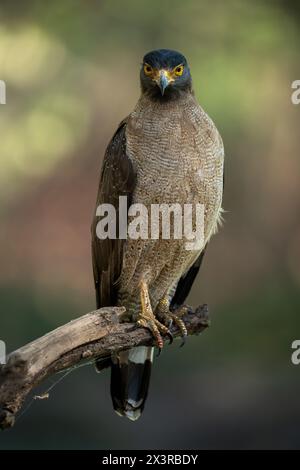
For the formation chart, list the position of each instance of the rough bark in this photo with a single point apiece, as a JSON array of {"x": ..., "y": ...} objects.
[{"x": 95, "y": 335}]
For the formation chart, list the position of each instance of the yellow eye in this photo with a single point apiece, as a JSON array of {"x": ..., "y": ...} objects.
[
  {"x": 178, "y": 70},
  {"x": 148, "y": 69}
]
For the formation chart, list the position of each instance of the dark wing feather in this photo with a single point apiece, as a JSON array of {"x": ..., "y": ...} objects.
[
  {"x": 185, "y": 283},
  {"x": 118, "y": 178}
]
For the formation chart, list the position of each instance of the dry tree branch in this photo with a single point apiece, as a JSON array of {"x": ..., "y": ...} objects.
[{"x": 95, "y": 335}]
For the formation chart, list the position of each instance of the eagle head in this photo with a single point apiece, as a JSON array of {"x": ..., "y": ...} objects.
[{"x": 165, "y": 74}]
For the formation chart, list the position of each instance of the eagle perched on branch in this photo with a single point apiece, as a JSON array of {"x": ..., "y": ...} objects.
[{"x": 167, "y": 151}]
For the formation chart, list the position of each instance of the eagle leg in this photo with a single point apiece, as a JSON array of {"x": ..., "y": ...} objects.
[
  {"x": 168, "y": 317},
  {"x": 147, "y": 319}
]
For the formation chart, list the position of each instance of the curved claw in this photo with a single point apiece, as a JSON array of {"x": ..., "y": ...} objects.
[
  {"x": 183, "y": 340},
  {"x": 158, "y": 352},
  {"x": 170, "y": 336}
]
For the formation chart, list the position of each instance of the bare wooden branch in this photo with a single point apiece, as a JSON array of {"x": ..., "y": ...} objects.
[{"x": 95, "y": 335}]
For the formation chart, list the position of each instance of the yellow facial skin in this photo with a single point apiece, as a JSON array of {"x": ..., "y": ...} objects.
[{"x": 170, "y": 75}]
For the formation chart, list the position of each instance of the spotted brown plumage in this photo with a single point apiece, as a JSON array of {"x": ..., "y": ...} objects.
[{"x": 166, "y": 151}]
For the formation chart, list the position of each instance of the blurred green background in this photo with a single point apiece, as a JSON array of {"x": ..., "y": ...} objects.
[{"x": 71, "y": 68}]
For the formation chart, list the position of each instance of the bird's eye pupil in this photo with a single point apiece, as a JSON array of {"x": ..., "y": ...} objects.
[{"x": 148, "y": 69}]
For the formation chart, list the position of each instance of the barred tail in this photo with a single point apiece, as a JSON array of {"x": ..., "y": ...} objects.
[{"x": 130, "y": 377}]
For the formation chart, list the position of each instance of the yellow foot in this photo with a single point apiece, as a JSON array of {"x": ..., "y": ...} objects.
[
  {"x": 147, "y": 319},
  {"x": 168, "y": 317}
]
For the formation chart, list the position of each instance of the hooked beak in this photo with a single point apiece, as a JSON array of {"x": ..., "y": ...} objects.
[{"x": 163, "y": 81}]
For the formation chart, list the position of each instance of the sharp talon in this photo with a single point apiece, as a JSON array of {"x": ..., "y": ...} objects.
[
  {"x": 170, "y": 324},
  {"x": 159, "y": 352},
  {"x": 170, "y": 336},
  {"x": 183, "y": 341}
]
